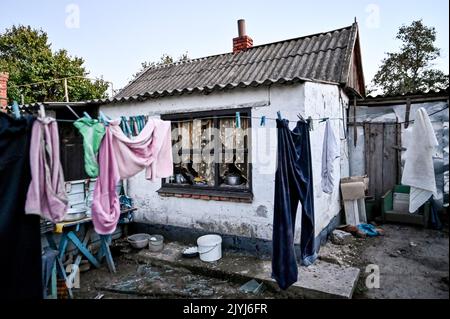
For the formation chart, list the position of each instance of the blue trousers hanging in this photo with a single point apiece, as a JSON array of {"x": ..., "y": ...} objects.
[
  {"x": 293, "y": 183},
  {"x": 20, "y": 236}
]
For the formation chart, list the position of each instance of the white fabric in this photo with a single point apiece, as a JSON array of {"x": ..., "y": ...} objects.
[
  {"x": 330, "y": 152},
  {"x": 418, "y": 172}
]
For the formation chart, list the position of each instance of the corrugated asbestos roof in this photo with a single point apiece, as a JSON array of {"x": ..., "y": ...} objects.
[
  {"x": 323, "y": 57},
  {"x": 437, "y": 92}
]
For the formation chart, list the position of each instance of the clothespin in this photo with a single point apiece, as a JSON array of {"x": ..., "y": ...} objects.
[
  {"x": 301, "y": 117},
  {"x": 263, "y": 121},
  {"x": 41, "y": 111},
  {"x": 87, "y": 115},
  {"x": 310, "y": 123},
  {"x": 238, "y": 120},
  {"x": 279, "y": 115},
  {"x": 15, "y": 109},
  {"x": 103, "y": 118},
  {"x": 323, "y": 119}
]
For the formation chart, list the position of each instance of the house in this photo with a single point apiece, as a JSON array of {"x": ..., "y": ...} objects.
[{"x": 316, "y": 75}]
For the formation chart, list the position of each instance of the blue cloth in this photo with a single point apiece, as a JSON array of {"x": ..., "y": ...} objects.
[
  {"x": 20, "y": 236},
  {"x": 368, "y": 229},
  {"x": 293, "y": 183},
  {"x": 434, "y": 218},
  {"x": 48, "y": 261}
]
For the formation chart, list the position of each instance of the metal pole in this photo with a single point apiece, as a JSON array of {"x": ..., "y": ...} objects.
[{"x": 66, "y": 92}]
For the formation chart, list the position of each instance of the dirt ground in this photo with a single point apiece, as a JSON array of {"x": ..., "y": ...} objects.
[
  {"x": 139, "y": 281},
  {"x": 413, "y": 263}
]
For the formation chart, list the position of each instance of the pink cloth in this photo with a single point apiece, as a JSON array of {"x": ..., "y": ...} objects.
[
  {"x": 46, "y": 194},
  {"x": 121, "y": 157}
]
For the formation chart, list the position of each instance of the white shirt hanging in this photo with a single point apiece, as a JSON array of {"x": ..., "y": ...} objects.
[
  {"x": 330, "y": 152},
  {"x": 418, "y": 172}
]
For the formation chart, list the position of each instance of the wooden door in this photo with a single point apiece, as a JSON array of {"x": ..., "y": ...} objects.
[{"x": 382, "y": 157}]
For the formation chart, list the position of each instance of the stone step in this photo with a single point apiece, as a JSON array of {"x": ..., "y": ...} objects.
[{"x": 320, "y": 280}]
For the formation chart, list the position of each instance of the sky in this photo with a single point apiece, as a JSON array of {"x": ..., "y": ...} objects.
[{"x": 116, "y": 36}]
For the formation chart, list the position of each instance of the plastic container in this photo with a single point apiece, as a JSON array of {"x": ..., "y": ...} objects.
[
  {"x": 155, "y": 243},
  {"x": 210, "y": 247}
]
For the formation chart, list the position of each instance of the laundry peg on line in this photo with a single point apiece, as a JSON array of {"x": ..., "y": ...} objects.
[
  {"x": 42, "y": 111},
  {"x": 310, "y": 123},
  {"x": 279, "y": 115},
  {"x": 238, "y": 120},
  {"x": 15, "y": 109},
  {"x": 263, "y": 121},
  {"x": 323, "y": 119},
  {"x": 87, "y": 115},
  {"x": 103, "y": 118}
]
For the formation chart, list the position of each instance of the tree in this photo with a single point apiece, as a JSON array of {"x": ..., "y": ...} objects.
[
  {"x": 165, "y": 59},
  {"x": 410, "y": 70},
  {"x": 26, "y": 55}
]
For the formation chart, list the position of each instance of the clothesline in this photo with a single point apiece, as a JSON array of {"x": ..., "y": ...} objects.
[{"x": 322, "y": 119}]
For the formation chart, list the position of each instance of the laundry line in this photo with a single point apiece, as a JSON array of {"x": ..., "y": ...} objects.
[{"x": 264, "y": 118}]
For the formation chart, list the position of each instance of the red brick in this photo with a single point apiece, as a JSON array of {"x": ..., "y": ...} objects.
[
  {"x": 204, "y": 197},
  {"x": 195, "y": 196},
  {"x": 215, "y": 198},
  {"x": 178, "y": 195},
  {"x": 187, "y": 195}
]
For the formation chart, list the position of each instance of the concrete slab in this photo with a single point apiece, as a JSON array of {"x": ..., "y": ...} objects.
[{"x": 321, "y": 280}]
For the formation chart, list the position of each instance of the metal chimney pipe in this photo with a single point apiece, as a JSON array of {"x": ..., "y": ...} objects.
[{"x": 241, "y": 27}]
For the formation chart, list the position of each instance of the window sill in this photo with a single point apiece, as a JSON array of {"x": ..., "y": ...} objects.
[{"x": 206, "y": 194}]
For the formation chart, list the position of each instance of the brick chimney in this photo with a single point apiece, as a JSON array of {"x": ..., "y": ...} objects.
[
  {"x": 243, "y": 41},
  {"x": 3, "y": 91}
]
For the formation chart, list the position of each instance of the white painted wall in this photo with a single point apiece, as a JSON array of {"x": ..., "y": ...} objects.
[{"x": 243, "y": 219}]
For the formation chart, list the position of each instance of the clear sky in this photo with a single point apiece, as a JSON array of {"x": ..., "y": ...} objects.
[{"x": 115, "y": 36}]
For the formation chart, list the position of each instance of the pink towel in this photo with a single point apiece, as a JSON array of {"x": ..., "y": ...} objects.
[
  {"x": 121, "y": 157},
  {"x": 46, "y": 194}
]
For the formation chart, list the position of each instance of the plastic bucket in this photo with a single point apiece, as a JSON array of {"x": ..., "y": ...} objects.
[
  {"x": 210, "y": 247},
  {"x": 156, "y": 243}
]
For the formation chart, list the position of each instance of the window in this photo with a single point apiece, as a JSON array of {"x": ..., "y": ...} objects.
[{"x": 211, "y": 154}]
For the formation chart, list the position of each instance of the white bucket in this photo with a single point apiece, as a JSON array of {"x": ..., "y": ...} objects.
[{"x": 210, "y": 247}]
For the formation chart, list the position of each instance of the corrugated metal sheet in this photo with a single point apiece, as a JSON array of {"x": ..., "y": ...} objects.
[{"x": 321, "y": 57}]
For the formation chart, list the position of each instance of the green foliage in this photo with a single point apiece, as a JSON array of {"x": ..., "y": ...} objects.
[
  {"x": 410, "y": 69},
  {"x": 165, "y": 59},
  {"x": 26, "y": 54}
]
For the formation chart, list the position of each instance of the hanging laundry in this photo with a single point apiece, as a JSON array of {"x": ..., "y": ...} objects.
[
  {"x": 46, "y": 195},
  {"x": 419, "y": 170},
  {"x": 293, "y": 183},
  {"x": 92, "y": 132},
  {"x": 20, "y": 236},
  {"x": 121, "y": 157},
  {"x": 330, "y": 152}
]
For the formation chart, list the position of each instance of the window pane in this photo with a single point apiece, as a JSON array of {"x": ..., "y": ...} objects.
[
  {"x": 233, "y": 168},
  {"x": 235, "y": 174},
  {"x": 232, "y": 137},
  {"x": 193, "y": 144}
]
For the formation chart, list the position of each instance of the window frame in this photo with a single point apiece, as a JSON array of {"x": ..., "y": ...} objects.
[{"x": 216, "y": 190}]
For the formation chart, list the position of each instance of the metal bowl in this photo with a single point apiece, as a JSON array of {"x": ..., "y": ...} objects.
[
  {"x": 139, "y": 240},
  {"x": 75, "y": 213},
  {"x": 233, "y": 180}
]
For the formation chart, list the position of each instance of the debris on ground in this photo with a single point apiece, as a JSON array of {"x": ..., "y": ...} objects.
[
  {"x": 140, "y": 281},
  {"x": 253, "y": 287},
  {"x": 354, "y": 230},
  {"x": 340, "y": 237},
  {"x": 405, "y": 252}
]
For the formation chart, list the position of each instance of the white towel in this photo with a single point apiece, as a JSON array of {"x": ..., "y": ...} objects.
[
  {"x": 418, "y": 172},
  {"x": 330, "y": 152}
]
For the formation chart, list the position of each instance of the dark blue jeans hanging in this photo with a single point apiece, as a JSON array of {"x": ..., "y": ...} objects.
[{"x": 293, "y": 183}]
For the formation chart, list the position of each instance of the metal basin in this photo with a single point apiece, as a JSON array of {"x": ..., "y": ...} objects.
[{"x": 74, "y": 214}]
